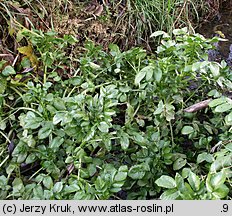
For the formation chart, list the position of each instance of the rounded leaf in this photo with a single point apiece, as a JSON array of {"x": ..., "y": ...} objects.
[
  {"x": 137, "y": 172},
  {"x": 166, "y": 182},
  {"x": 48, "y": 182},
  {"x": 171, "y": 194},
  {"x": 58, "y": 187},
  {"x": 139, "y": 77},
  {"x": 8, "y": 70},
  {"x": 223, "y": 107},
  {"x": 194, "y": 181},
  {"x": 179, "y": 163},
  {"x": 103, "y": 127},
  {"x": 187, "y": 130}
]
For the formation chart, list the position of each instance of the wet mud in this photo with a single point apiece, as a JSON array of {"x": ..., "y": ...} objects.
[{"x": 221, "y": 26}]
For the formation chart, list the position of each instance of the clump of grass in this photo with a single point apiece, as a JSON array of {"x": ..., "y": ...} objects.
[{"x": 144, "y": 17}]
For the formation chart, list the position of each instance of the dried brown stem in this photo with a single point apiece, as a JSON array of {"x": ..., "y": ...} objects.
[{"x": 197, "y": 106}]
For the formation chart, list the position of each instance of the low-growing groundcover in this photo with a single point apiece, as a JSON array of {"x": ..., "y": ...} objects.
[{"x": 115, "y": 128}]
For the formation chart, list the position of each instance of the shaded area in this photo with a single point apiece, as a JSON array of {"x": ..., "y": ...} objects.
[{"x": 221, "y": 26}]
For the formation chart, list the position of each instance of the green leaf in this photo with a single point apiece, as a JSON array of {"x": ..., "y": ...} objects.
[
  {"x": 179, "y": 163},
  {"x": 218, "y": 179},
  {"x": 48, "y": 194},
  {"x": 171, "y": 194},
  {"x": 149, "y": 73},
  {"x": 141, "y": 74},
  {"x": 32, "y": 121},
  {"x": 2, "y": 63},
  {"x": 56, "y": 142},
  {"x": 107, "y": 142},
  {"x": 59, "y": 116},
  {"x": 187, "y": 193},
  {"x": 3, "y": 181},
  {"x": 196, "y": 66},
  {"x": 129, "y": 113},
  {"x": 158, "y": 75},
  {"x": 8, "y": 70},
  {"x": 218, "y": 101},
  {"x": 71, "y": 188},
  {"x": 38, "y": 192},
  {"x": 182, "y": 31},
  {"x": 158, "y": 33},
  {"x": 221, "y": 162},
  {"x": 58, "y": 187},
  {"x": 187, "y": 130},
  {"x": 31, "y": 158},
  {"x": 18, "y": 186},
  {"x": 59, "y": 104},
  {"x": 48, "y": 182},
  {"x": 94, "y": 66},
  {"x": 170, "y": 113},
  {"x": 229, "y": 146},
  {"x": 179, "y": 182},
  {"x": 137, "y": 172},
  {"x": 21, "y": 157},
  {"x": 221, "y": 192},
  {"x": 138, "y": 138},
  {"x": 228, "y": 119},
  {"x": 215, "y": 69},
  {"x": 45, "y": 131},
  {"x": 100, "y": 184},
  {"x": 30, "y": 141},
  {"x": 204, "y": 157},
  {"x": 166, "y": 182},
  {"x": 123, "y": 98},
  {"x": 208, "y": 185},
  {"x": 103, "y": 127},
  {"x": 11, "y": 168},
  {"x": 124, "y": 141},
  {"x": 91, "y": 169},
  {"x": 3, "y": 84},
  {"x": 121, "y": 174},
  {"x": 208, "y": 128},
  {"x": 194, "y": 181},
  {"x": 76, "y": 81},
  {"x": 214, "y": 93},
  {"x": 160, "y": 108},
  {"x": 223, "y": 107},
  {"x": 49, "y": 97}
]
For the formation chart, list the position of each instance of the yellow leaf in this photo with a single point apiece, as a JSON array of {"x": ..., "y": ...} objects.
[
  {"x": 220, "y": 34},
  {"x": 28, "y": 52},
  {"x": 19, "y": 36},
  {"x": 11, "y": 30}
]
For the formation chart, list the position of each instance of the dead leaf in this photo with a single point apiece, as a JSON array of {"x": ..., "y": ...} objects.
[
  {"x": 28, "y": 52},
  {"x": 90, "y": 9},
  {"x": 7, "y": 57},
  {"x": 98, "y": 10}
]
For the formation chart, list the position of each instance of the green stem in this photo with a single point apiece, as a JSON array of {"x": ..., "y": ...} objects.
[
  {"x": 7, "y": 157},
  {"x": 195, "y": 91},
  {"x": 45, "y": 74},
  {"x": 173, "y": 143},
  {"x": 8, "y": 140},
  {"x": 21, "y": 108},
  {"x": 35, "y": 173}
]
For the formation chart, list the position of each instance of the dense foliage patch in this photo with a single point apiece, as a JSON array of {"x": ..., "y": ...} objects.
[{"x": 115, "y": 127}]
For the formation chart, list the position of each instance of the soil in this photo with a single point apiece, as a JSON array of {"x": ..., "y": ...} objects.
[{"x": 221, "y": 26}]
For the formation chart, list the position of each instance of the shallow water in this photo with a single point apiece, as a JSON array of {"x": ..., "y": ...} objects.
[{"x": 222, "y": 23}]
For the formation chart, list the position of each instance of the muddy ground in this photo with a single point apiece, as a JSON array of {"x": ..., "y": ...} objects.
[{"x": 220, "y": 26}]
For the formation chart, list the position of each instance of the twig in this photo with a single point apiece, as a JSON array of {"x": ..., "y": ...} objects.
[
  {"x": 197, "y": 106},
  {"x": 181, "y": 11},
  {"x": 200, "y": 105},
  {"x": 5, "y": 55}
]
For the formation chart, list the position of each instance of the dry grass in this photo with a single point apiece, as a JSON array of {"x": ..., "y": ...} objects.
[{"x": 125, "y": 22}]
